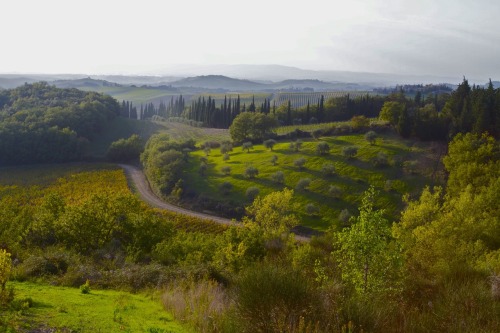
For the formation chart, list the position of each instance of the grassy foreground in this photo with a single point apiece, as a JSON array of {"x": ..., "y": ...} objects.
[{"x": 68, "y": 310}]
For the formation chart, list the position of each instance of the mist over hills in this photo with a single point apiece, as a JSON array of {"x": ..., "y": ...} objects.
[{"x": 237, "y": 78}]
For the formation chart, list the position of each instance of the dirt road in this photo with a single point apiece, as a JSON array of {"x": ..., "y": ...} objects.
[{"x": 141, "y": 185}]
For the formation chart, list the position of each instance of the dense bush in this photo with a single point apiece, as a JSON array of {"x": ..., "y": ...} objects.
[{"x": 124, "y": 150}]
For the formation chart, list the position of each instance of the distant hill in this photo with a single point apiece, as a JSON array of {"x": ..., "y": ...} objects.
[
  {"x": 218, "y": 82},
  {"x": 84, "y": 83}
]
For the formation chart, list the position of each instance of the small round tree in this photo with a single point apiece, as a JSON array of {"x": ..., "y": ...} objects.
[
  {"x": 269, "y": 144},
  {"x": 335, "y": 191},
  {"x": 350, "y": 151},
  {"x": 381, "y": 160},
  {"x": 328, "y": 169},
  {"x": 371, "y": 137},
  {"x": 278, "y": 177},
  {"x": 203, "y": 168},
  {"x": 226, "y": 170},
  {"x": 303, "y": 184},
  {"x": 274, "y": 159},
  {"x": 322, "y": 148},
  {"x": 344, "y": 216},
  {"x": 299, "y": 163},
  {"x": 252, "y": 192},
  {"x": 251, "y": 172},
  {"x": 225, "y": 157},
  {"x": 317, "y": 133},
  {"x": 226, "y": 187},
  {"x": 311, "y": 209},
  {"x": 247, "y": 146}
]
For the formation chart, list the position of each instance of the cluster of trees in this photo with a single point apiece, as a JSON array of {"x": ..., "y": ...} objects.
[
  {"x": 251, "y": 126},
  {"x": 41, "y": 123},
  {"x": 440, "y": 117},
  {"x": 173, "y": 109},
  {"x": 124, "y": 150},
  {"x": 164, "y": 162}
]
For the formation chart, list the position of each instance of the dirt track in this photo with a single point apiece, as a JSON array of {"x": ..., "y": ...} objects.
[{"x": 137, "y": 177}]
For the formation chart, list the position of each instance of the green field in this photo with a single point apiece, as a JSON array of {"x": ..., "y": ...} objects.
[
  {"x": 121, "y": 128},
  {"x": 138, "y": 95},
  {"x": 65, "y": 309},
  {"x": 353, "y": 176}
]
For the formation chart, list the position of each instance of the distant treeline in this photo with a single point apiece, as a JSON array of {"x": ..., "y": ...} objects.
[
  {"x": 440, "y": 117},
  {"x": 41, "y": 123}
]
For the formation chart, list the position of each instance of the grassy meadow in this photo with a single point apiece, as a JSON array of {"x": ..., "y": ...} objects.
[
  {"x": 64, "y": 309},
  {"x": 352, "y": 176}
]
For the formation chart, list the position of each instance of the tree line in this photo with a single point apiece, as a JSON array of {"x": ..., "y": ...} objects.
[{"x": 41, "y": 123}]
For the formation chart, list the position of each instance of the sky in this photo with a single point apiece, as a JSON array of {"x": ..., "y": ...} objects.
[{"x": 424, "y": 37}]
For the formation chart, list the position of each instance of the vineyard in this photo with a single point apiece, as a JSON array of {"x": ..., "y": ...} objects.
[{"x": 300, "y": 99}]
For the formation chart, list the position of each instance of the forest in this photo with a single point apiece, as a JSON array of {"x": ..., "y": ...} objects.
[{"x": 430, "y": 264}]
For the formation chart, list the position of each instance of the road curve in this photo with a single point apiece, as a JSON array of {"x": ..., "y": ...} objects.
[{"x": 141, "y": 184}]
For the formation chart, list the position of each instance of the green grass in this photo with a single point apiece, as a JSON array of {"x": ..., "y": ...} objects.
[
  {"x": 100, "y": 311},
  {"x": 137, "y": 95},
  {"x": 354, "y": 176}
]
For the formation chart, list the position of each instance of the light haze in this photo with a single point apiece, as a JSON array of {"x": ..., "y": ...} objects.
[{"x": 441, "y": 37}]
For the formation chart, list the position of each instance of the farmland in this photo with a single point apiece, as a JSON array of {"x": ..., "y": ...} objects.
[{"x": 352, "y": 176}]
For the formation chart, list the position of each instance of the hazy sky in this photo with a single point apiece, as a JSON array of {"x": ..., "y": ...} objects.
[{"x": 440, "y": 37}]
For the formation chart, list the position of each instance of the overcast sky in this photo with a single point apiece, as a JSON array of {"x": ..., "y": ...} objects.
[{"x": 438, "y": 37}]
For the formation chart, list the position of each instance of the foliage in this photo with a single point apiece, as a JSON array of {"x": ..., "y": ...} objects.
[
  {"x": 303, "y": 184},
  {"x": 226, "y": 187},
  {"x": 274, "y": 159},
  {"x": 252, "y": 192},
  {"x": 349, "y": 151},
  {"x": 5, "y": 268},
  {"x": 272, "y": 212},
  {"x": 85, "y": 288},
  {"x": 251, "y": 126},
  {"x": 367, "y": 257},
  {"x": 40, "y": 123},
  {"x": 269, "y": 144},
  {"x": 164, "y": 162},
  {"x": 251, "y": 172},
  {"x": 360, "y": 122},
  {"x": 226, "y": 170},
  {"x": 311, "y": 209},
  {"x": 278, "y": 177},
  {"x": 371, "y": 137},
  {"x": 322, "y": 148},
  {"x": 299, "y": 163},
  {"x": 247, "y": 146},
  {"x": 125, "y": 150},
  {"x": 328, "y": 169}
]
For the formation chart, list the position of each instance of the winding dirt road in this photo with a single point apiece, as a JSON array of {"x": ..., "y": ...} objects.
[
  {"x": 137, "y": 177},
  {"x": 141, "y": 185}
]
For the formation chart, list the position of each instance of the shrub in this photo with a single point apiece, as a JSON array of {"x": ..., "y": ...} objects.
[
  {"x": 225, "y": 157},
  {"x": 278, "y": 177},
  {"x": 226, "y": 170},
  {"x": 124, "y": 150},
  {"x": 328, "y": 169},
  {"x": 335, "y": 191},
  {"x": 322, "y": 148},
  {"x": 269, "y": 144},
  {"x": 252, "y": 192},
  {"x": 371, "y": 137},
  {"x": 207, "y": 150},
  {"x": 350, "y": 151},
  {"x": 360, "y": 122},
  {"x": 85, "y": 288},
  {"x": 211, "y": 144},
  {"x": 381, "y": 160},
  {"x": 274, "y": 159},
  {"x": 203, "y": 168},
  {"x": 295, "y": 146},
  {"x": 247, "y": 146},
  {"x": 273, "y": 299},
  {"x": 311, "y": 209},
  {"x": 299, "y": 163},
  {"x": 226, "y": 187},
  {"x": 251, "y": 172},
  {"x": 317, "y": 133},
  {"x": 344, "y": 216},
  {"x": 303, "y": 184}
]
